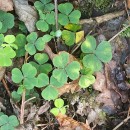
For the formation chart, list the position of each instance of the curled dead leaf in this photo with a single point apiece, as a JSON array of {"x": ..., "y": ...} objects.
[
  {"x": 68, "y": 123},
  {"x": 6, "y": 5}
]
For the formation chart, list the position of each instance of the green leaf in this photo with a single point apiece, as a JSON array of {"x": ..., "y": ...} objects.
[
  {"x": 59, "y": 103},
  {"x": 63, "y": 110},
  {"x": 92, "y": 62},
  {"x": 55, "y": 83},
  {"x": 104, "y": 51},
  {"x": 60, "y": 75},
  {"x": 0, "y": 25},
  {"x": 32, "y": 37},
  {"x": 3, "y": 120},
  {"x": 28, "y": 70},
  {"x": 73, "y": 27},
  {"x": 75, "y": 16},
  {"x": 55, "y": 111},
  {"x": 5, "y": 56},
  {"x": 65, "y": 8},
  {"x": 20, "y": 41},
  {"x": 7, "y": 127},
  {"x": 86, "y": 80},
  {"x": 30, "y": 48},
  {"x": 73, "y": 69},
  {"x": 49, "y": 7},
  {"x": 50, "y": 93},
  {"x": 42, "y": 80},
  {"x": 89, "y": 45},
  {"x": 63, "y": 19},
  {"x": 45, "y": 1},
  {"x": 38, "y": 5},
  {"x": 41, "y": 58},
  {"x": 17, "y": 76},
  {"x": 9, "y": 38},
  {"x": 29, "y": 83},
  {"x": 46, "y": 38},
  {"x": 13, "y": 121},
  {"x": 1, "y": 39},
  {"x": 16, "y": 97},
  {"x": 50, "y": 18},
  {"x": 61, "y": 60},
  {"x": 40, "y": 44},
  {"x": 46, "y": 68},
  {"x": 69, "y": 37},
  {"x": 42, "y": 26},
  {"x": 7, "y": 20}
]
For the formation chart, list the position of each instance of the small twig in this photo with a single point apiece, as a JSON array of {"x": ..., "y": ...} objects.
[
  {"x": 22, "y": 107},
  {"x": 56, "y": 14},
  {"x": 124, "y": 121},
  {"x": 29, "y": 100},
  {"x": 119, "y": 33},
  {"x": 6, "y": 87}
]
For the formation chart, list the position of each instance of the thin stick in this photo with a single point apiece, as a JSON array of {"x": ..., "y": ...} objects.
[
  {"x": 6, "y": 87},
  {"x": 22, "y": 107},
  {"x": 56, "y": 14},
  {"x": 124, "y": 121},
  {"x": 29, "y": 100},
  {"x": 119, "y": 33}
]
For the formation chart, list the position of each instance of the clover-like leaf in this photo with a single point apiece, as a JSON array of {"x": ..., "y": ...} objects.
[
  {"x": 7, "y": 21},
  {"x": 44, "y": 5},
  {"x": 54, "y": 82},
  {"x": 0, "y": 25},
  {"x": 32, "y": 37},
  {"x": 41, "y": 58},
  {"x": 86, "y": 80},
  {"x": 17, "y": 76},
  {"x": 13, "y": 121},
  {"x": 73, "y": 27},
  {"x": 104, "y": 51},
  {"x": 28, "y": 70},
  {"x": 20, "y": 41},
  {"x": 69, "y": 37},
  {"x": 42, "y": 25},
  {"x": 3, "y": 120},
  {"x": 50, "y": 93},
  {"x": 75, "y": 16},
  {"x": 42, "y": 80},
  {"x": 73, "y": 69},
  {"x": 60, "y": 75},
  {"x": 65, "y": 8},
  {"x": 59, "y": 103},
  {"x": 1, "y": 39},
  {"x": 6, "y": 54},
  {"x": 61, "y": 60},
  {"x": 46, "y": 38},
  {"x": 63, "y": 19},
  {"x": 50, "y": 18},
  {"x": 92, "y": 62},
  {"x": 89, "y": 45},
  {"x": 9, "y": 38},
  {"x": 55, "y": 111}
]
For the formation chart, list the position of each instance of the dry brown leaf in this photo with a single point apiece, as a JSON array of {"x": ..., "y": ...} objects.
[
  {"x": 69, "y": 87},
  {"x": 128, "y": 4},
  {"x": 100, "y": 83},
  {"x": 2, "y": 71},
  {"x": 67, "y": 123},
  {"x": 43, "y": 108},
  {"x": 26, "y": 13},
  {"x": 6, "y": 5}
]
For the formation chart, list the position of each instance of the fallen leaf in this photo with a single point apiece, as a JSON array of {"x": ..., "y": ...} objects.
[
  {"x": 2, "y": 71},
  {"x": 6, "y": 5},
  {"x": 26, "y": 13},
  {"x": 69, "y": 87},
  {"x": 79, "y": 36},
  {"x": 128, "y": 3},
  {"x": 43, "y": 108},
  {"x": 68, "y": 123}
]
